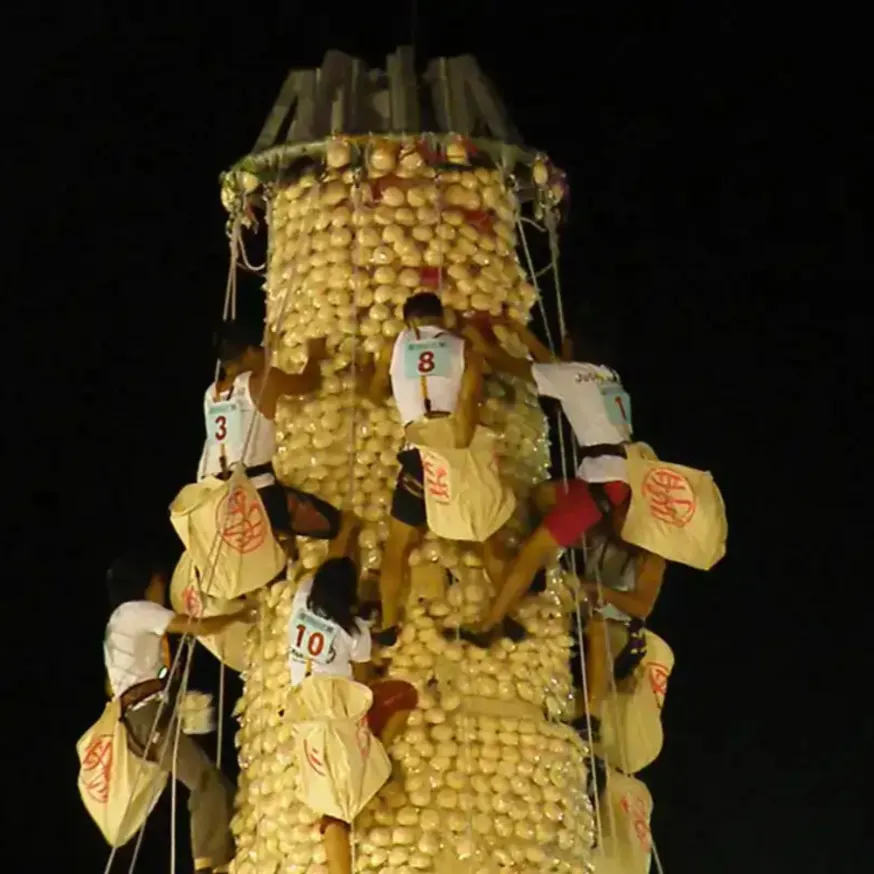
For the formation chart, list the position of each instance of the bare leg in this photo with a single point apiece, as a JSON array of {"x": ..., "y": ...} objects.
[
  {"x": 495, "y": 557},
  {"x": 544, "y": 496},
  {"x": 394, "y": 569},
  {"x": 535, "y": 553},
  {"x": 346, "y": 541},
  {"x": 596, "y": 664},
  {"x": 338, "y": 848}
]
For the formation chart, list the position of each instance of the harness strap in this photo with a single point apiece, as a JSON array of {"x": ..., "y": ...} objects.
[
  {"x": 423, "y": 381},
  {"x": 598, "y": 450}
]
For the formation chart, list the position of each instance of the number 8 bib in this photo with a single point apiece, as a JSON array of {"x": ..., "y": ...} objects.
[
  {"x": 426, "y": 358},
  {"x": 311, "y": 638}
]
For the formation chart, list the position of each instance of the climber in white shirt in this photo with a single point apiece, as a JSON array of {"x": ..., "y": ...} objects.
[
  {"x": 240, "y": 409},
  {"x": 599, "y": 411},
  {"x": 137, "y": 656},
  {"x": 434, "y": 372},
  {"x": 326, "y": 637}
]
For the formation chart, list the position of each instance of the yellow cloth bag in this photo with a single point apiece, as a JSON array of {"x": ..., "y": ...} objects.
[
  {"x": 676, "y": 512},
  {"x": 228, "y": 645},
  {"x": 118, "y": 788},
  {"x": 342, "y": 765},
  {"x": 631, "y": 728},
  {"x": 224, "y": 526},
  {"x": 465, "y": 498},
  {"x": 626, "y": 846}
]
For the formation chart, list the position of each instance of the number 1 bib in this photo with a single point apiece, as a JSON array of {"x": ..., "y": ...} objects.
[
  {"x": 426, "y": 358},
  {"x": 311, "y": 638},
  {"x": 224, "y": 427},
  {"x": 618, "y": 404}
]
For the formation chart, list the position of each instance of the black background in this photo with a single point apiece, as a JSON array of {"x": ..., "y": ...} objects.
[{"x": 715, "y": 223}]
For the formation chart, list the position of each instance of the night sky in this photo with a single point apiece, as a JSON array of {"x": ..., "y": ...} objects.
[{"x": 714, "y": 225}]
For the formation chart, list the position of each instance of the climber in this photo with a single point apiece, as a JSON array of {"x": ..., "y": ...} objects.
[
  {"x": 599, "y": 411},
  {"x": 325, "y": 611},
  {"x": 136, "y": 656},
  {"x": 249, "y": 390},
  {"x": 630, "y": 581},
  {"x": 434, "y": 373}
]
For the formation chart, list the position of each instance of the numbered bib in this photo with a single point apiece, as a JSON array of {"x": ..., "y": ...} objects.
[
  {"x": 311, "y": 638},
  {"x": 618, "y": 404},
  {"x": 224, "y": 427},
  {"x": 426, "y": 358}
]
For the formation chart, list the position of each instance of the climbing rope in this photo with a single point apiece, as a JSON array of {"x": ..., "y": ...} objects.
[{"x": 550, "y": 222}]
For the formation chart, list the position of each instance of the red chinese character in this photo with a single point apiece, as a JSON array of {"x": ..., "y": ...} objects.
[
  {"x": 192, "y": 602},
  {"x": 241, "y": 521},
  {"x": 97, "y": 768},
  {"x": 436, "y": 481},
  {"x": 658, "y": 680},
  {"x": 314, "y": 759},
  {"x": 669, "y": 496},
  {"x": 636, "y": 809}
]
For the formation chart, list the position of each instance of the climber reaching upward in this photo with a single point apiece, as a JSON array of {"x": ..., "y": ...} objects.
[
  {"x": 240, "y": 409},
  {"x": 435, "y": 374},
  {"x": 630, "y": 580},
  {"x": 599, "y": 411},
  {"x": 136, "y": 657}
]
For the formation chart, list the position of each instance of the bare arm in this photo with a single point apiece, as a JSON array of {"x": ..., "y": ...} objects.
[
  {"x": 279, "y": 384},
  {"x": 469, "y": 396},
  {"x": 538, "y": 351},
  {"x": 206, "y": 626},
  {"x": 639, "y": 603}
]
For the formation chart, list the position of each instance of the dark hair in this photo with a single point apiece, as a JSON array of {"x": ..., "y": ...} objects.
[
  {"x": 424, "y": 305},
  {"x": 232, "y": 339},
  {"x": 128, "y": 578},
  {"x": 334, "y": 594}
]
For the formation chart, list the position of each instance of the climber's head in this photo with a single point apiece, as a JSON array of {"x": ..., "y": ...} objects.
[
  {"x": 238, "y": 348},
  {"x": 423, "y": 308},
  {"x": 334, "y": 594},
  {"x": 135, "y": 577}
]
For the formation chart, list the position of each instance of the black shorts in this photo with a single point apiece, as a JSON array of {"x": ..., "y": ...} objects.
[
  {"x": 408, "y": 500},
  {"x": 273, "y": 498},
  {"x": 328, "y": 511}
]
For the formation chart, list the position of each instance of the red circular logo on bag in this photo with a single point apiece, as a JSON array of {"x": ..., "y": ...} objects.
[
  {"x": 97, "y": 768},
  {"x": 240, "y": 519},
  {"x": 669, "y": 496}
]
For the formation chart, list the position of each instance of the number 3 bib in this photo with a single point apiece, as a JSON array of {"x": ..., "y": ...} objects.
[
  {"x": 312, "y": 638},
  {"x": 224, "y": 427},
  {"x": 426, "y": 358}
]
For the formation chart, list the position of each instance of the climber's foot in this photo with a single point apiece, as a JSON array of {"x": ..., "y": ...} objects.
[
  {"x": 538, "y": 584},
  {"x": 388, "y": 636},
  {"x": 368, "y": 610},
  {"x": 482, "y": 639},
  {"x": 513, "y": 630},
  {"x": 581, "y": 726}
]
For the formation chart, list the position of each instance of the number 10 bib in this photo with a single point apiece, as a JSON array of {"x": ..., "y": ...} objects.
[
  {"x": 311, "y": 638},
  {"x": 618, "y": 404},
  {"x": 224, "y": 427},
  {"x": 426, "y": 358}
]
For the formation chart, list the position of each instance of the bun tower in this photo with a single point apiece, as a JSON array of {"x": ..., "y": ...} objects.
[{"x": 375, "y": 185}]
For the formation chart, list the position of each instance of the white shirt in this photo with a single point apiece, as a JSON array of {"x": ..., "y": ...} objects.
[
  {"x": 132, "y": 644},
  {"x": 320, "y": 644},
  {"x": 598, "y": 409},
  {"x": 229, "y": 420},
  {"x": 416, "y": 353}
]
